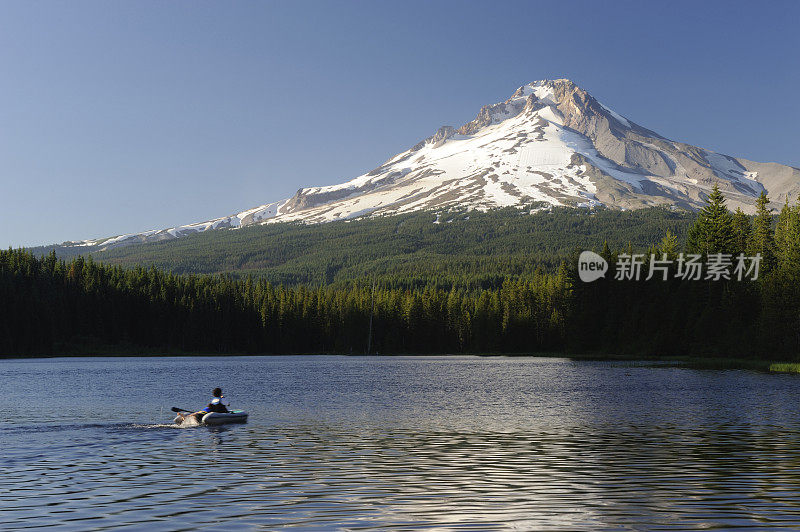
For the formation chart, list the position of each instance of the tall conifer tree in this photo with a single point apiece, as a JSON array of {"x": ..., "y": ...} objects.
[
  {"x": 741, "y": 230},
  {"x": 713, "y": 232},
  {"x": 780, "y": 228},
  {"x": 761, "y": 239}
]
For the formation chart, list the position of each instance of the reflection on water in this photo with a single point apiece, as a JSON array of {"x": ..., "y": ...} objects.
[{"x": 404, "y": 442}]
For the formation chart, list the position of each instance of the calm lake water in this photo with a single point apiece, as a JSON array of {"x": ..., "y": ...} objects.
[{"x": 405, "y": 442}]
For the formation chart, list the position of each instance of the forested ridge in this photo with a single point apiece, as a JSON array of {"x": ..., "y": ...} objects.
[
  {"x": 466, "y": 248},
  {"x": 54, "y": 306}
]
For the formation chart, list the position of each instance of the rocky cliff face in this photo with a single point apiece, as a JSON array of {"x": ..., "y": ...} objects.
[{"x": 550, "y": 143}]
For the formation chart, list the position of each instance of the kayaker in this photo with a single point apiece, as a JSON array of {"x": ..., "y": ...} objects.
[{"x": 216, "y": 405}]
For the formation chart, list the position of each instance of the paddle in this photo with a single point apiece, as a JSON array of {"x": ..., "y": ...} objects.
[{"x": 176, "y": 409}]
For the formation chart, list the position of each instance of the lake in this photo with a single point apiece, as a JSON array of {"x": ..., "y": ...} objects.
[{"x": 404, "y": 442}]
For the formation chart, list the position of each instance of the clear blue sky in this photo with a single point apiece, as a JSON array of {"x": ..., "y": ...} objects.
[{"x": 118, "y": 117}]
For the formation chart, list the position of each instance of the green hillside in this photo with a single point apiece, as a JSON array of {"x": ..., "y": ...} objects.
[{"x": 468, "y": 248}]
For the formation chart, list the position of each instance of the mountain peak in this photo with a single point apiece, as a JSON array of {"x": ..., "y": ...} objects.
[
  {"x": 553, "y": 143},
  {"x": 563, "y": 84},
  {"x": 550, "y": 144},
  {"x": 559, "y": 101}
]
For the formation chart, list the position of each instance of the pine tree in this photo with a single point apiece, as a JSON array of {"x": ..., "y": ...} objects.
[
  {"x": 741, "y": 230},
  {"x": 713, "y": 232},
  {"x": 789, "y": 251},
  {"x": 780, "y": 228},
  {"x": 668, "y": 246},
  {"x": 761, "y": 239},
  {"x": 606, "y": 252}
]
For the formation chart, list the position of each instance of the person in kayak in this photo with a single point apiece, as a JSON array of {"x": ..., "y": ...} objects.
[{"x": 216, "y": 405}]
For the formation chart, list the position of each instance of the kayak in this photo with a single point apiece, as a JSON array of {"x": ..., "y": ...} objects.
[{"x": 216, "y": 418}]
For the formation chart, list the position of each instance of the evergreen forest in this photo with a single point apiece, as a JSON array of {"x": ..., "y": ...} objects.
[{"x": 505, "y": 281}]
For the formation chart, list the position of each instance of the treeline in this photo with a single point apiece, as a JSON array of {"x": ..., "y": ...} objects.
[{"x": 52, "y": 306}]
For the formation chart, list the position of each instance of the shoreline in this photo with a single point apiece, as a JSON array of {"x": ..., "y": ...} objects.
[{"x": 689, "y": 362}]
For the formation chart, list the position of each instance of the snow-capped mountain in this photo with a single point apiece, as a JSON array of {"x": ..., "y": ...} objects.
[{"x": 551, "y": 143}]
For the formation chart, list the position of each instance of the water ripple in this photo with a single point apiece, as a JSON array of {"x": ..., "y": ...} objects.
[{"x": 598, "y": 458}]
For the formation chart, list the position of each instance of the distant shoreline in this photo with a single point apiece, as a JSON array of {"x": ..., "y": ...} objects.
[{"x": 689, "y": 362}]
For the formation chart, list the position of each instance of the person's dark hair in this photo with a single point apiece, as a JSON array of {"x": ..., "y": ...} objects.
[{"x": 217, "y": 392}]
